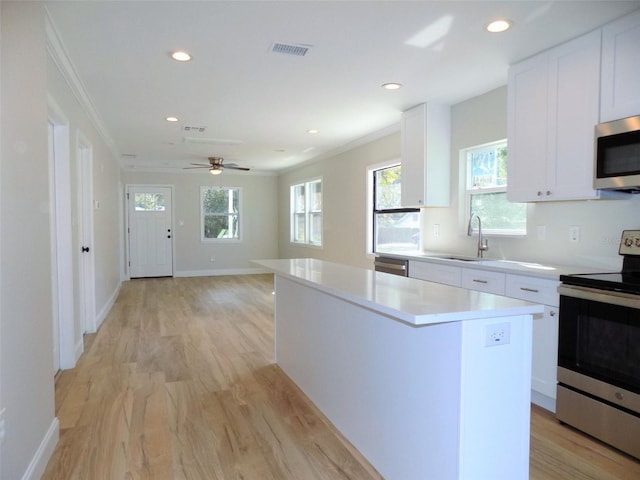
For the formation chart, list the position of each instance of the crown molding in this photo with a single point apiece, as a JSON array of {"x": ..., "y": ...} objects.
[{"x": 58, "y": 53}]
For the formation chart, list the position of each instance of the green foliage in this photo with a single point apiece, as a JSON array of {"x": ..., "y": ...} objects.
[{"x": 221, "y": 211}]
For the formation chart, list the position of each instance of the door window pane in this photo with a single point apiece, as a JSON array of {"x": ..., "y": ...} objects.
[{"x": 149, "y": 202}]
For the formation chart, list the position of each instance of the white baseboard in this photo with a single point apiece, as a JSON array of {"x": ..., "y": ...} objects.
[
  {"x": 43, "y": 454},
  {"x": 543, "y": 401},
  {"x": 78, "y": 350},
  {"x": 107, "y": 307},
  {"x": 219, "y": 272}
]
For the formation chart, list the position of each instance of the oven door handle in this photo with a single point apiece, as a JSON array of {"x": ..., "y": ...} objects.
[{"x": 604, "y": 296}]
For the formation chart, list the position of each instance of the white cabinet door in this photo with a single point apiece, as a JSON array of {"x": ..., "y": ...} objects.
[
  {"x": 544, "y": 362},
  {"x": 527, "y": 130},
  {"x": 425, "y": 132},
  {"x": 575, "y": 114},
  {"x": 553, "y": 109},
  {"x": 620, "y": 94}
]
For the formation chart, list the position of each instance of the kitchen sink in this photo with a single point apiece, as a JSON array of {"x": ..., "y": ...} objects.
[{"x": 461, "y": 259}]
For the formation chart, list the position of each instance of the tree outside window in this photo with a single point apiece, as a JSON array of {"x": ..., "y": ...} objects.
[
  {"x": 394, "y": 228},
  {"x": 486, "y": 191},
  {"x": 220, "y": 213}
]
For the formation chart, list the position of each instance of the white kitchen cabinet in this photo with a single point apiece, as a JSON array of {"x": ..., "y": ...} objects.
[
  {"x": 544, "y": 361},
  {"x": 483, "y": 280},
  {"x": 435, "y": 272},
  {"x": 425, "y": 134},
  {"x": 544, "y": 364},
  {"x": 620, "y": 94},
  {"x": 553, "y": 107}
]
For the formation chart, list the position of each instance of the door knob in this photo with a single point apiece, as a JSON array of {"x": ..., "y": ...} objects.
[
  {"x": 168, "y": 236},
  {"x": 85, "y": 249}
]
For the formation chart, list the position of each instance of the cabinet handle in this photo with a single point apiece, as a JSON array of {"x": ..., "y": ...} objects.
[
  {"x": 539, "y": 193},
  {"x": 548, "y": 192},
  {"x": 552, "y": 313},
  {"x": 533, "y": 290},
  {"x": 479, "y": 281}
]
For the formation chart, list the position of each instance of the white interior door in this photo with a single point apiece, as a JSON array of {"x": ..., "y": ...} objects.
[
  {"x": 150, "y": 231},
  {"x": 61, "y": 240},
  {"x": 86, "y": 262}
]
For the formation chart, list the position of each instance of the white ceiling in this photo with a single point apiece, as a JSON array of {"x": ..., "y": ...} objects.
[{"x": 257, "y": 105}]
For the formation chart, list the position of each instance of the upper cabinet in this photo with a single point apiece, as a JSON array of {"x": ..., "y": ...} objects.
[
  {"x": 621, "y": 68},
  {"x": 553, "y": 106},
  {"x": 426, "y": 133}
]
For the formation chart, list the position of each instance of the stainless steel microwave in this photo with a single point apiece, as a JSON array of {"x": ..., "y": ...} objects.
[{"x": 617, "y": 155}]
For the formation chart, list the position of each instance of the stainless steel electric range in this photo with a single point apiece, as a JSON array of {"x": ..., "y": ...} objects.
[{"x": 598, "y": 388}]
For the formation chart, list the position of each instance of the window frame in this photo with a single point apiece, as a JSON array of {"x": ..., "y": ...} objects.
[
  {"x": 308, "y": 213},
  {"x": 371, "y": 205},
  {"x": 239, "y": 215},
  {"x": 468, "y": 191}
]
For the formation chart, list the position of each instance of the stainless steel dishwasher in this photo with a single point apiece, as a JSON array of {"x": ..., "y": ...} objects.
[{"x": 394, "y": 266}]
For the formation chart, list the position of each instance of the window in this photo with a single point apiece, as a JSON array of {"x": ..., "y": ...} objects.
[
  {"x": 306, "y": 213},
  {"x": 486, "y": 191},
  {"x": 149, "y": 202},
  {"x": 394, "y": 228},
  {"x": 220, "y": 218}
]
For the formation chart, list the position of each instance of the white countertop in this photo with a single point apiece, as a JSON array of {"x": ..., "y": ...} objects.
[
  {"x": 506, "y": 266},
  {"x": 412, "y": 301}
]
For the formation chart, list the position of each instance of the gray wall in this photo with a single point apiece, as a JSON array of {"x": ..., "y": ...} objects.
[
  {"x": 259, "y": 222},
  {"x": 344, "y": 196},
  {"x": 29, "y": 78},
  {"x": 26, "y": 374}
]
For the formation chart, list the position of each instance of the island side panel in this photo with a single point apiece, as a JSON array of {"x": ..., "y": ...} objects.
[
  {"x": 495, "y": 401},
  {"x": 392, "y": 389}
]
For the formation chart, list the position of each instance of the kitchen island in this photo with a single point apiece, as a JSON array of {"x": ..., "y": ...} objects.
[{"x": 427, "y": 381}]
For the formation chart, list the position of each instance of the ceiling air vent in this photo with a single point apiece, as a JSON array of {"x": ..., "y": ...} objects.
[
  {"x": 191, "y": 128},
  {"x": 299, "y": 50}
]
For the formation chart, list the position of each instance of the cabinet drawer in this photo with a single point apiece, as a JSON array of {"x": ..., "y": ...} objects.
[
  {"x": 483, "y": 280},
  {"x": 533, "y": 289},
  {"x": 435, "y": 272}
]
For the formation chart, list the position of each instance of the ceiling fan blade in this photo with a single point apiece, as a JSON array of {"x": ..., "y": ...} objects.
[
  {"x": 237, "y": 168},
  {"x": 191, "y": 168},
  {"x": 201, "y": 164}
]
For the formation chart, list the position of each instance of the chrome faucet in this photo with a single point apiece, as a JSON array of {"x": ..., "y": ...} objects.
[{"x": 483, "y": 243}]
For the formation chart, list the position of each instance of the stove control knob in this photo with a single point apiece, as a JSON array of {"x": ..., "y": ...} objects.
[
  {"x": 628, "y": 242},
  {"x": 637, "y": 242},
  {"x": 619, "y": 395}
]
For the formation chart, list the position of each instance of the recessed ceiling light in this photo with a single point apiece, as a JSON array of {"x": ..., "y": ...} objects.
[
  {"x": 312, "y": 131},
  {"x": 181, "y": 56},
  {"x": 171, "y": 119},
  {"x": 391, "y": 86},
  {"x": 498, "y": 26}
]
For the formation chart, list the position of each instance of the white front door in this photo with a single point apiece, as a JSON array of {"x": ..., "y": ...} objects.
[{"x": 150, "y": 231}]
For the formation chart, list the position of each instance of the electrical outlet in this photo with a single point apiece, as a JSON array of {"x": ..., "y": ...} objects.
[
  {"x": 541, "y": 232},
  {"x": 497, "y": 334},
  {"x": 574, "y": 234},
  {"x": 436, "y": 230}
]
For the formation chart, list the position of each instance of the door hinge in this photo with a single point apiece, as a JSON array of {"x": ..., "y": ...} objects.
[{"x": 127, "y": 196}]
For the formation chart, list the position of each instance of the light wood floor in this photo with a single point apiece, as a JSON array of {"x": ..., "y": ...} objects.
[{"x": 179, "y": 383}]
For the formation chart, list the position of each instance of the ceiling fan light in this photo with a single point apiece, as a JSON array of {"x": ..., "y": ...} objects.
[{"x": 215, "y": 171}]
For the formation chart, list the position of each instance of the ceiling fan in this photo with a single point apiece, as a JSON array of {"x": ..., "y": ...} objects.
[{"x": 216, "y": 165}]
